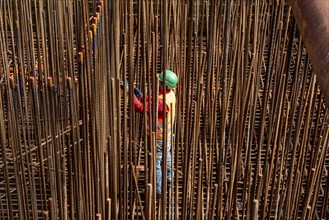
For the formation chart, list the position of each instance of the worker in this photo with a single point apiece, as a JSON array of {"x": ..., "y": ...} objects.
[{"x": 169, "y": 108}]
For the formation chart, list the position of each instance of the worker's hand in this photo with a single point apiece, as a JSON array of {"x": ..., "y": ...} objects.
[
  {"x": 138, "y": 93},
  {"x": 122, "y": 85}
]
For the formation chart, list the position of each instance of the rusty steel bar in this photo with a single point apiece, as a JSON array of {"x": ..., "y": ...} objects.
[{"x": 312, "y": 19}]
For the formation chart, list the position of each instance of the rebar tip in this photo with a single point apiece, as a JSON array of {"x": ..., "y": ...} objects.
[
  {"x": 80, "y": 57},
  {"x": 45, "y": 214},
  {"x": 69, "y": 82},
  {"x": 32, "y": 80},
  {"x": 12, "y": 82},
  {"x": 98, "y": 15},
  {"x": 50, "y": 82},
  {"x": 94, "y": 28}
]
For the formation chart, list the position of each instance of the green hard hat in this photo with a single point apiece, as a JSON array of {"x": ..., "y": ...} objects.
[{"x": 171, "y": 79}]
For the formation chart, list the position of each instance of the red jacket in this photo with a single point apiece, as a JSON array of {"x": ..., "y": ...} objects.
[{"x": 139, "y": 106}]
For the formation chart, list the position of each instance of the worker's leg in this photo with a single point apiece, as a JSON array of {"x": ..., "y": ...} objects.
[
  {"x": 158, "y": 164},
  {"x": 169, "y": 170},
  {"x": 158, "y": 167}
]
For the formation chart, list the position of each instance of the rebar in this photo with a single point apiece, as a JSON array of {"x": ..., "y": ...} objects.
[{"x": 251, "y": 132}]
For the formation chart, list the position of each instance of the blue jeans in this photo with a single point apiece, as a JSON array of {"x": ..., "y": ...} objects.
[{"x": 158, "y": 164}]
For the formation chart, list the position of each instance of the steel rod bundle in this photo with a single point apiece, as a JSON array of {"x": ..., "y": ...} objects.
[{"x": 251, "y": 134}]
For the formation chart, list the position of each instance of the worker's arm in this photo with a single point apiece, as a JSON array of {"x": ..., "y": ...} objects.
[{"x": 139, "y": 106}]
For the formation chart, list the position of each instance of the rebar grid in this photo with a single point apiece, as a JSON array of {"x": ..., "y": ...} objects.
[{"x": 251, "y": 137}]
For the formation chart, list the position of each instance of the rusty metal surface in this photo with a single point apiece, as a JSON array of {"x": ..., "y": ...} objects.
[{"x": 312, "y": 17}]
